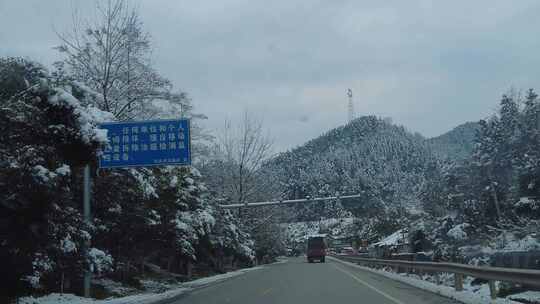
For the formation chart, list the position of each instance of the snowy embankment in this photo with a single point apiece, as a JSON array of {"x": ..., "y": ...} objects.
[
  {"x": 144, "y": 298},
  {"x": 471, "y": 294}
]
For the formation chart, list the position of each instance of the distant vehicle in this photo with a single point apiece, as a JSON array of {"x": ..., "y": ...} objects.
[
  {"x": 347, "y": 251},
  {"x": 316, "y": 248}
]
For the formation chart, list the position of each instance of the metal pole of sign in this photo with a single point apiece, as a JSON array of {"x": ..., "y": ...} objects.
[{"x": 88, "y": 221}]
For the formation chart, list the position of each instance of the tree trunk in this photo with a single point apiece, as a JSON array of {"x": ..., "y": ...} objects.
[
  {"x": 189, "y": 269},
  {"x": 169, "y": 263},
  {"x": 62, "y": 283},
  {"x": 126, "y": 269},
  {"x": 496, "y": 200},
  {"x": 214, "y": 262},
  {"x": 220, "y": 264}
]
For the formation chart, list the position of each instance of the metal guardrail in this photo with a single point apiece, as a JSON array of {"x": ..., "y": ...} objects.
[{"x": 513, "y": 275}]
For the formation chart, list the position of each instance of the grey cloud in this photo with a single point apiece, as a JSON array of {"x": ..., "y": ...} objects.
[{"x": 429, "y": 65}]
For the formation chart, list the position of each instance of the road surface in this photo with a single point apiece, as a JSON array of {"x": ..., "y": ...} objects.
[{"x": 298, "y": 282}]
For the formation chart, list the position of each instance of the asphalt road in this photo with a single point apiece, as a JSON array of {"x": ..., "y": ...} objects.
[{"x": 298, "y": 282}]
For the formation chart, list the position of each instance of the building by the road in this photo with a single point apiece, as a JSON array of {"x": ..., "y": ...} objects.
[{"x": 396, "y": 243}]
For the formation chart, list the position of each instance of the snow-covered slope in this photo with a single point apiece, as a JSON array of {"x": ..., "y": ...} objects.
[
  {"x": 456, "y": 144},
  {"x": 384, "y": 162}
]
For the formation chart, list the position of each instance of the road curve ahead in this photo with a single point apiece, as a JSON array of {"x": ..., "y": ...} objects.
[{"x": 299, "y": 282}]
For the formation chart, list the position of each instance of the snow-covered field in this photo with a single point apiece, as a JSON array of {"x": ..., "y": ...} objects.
[
  {"x": 144, "y": 298},
  {"x": 471, "y": 294}
]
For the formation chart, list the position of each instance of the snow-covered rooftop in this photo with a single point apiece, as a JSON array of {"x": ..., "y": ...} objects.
[
  {"x": 392, "y": 239},
  {"x": 316, "y": 235}
]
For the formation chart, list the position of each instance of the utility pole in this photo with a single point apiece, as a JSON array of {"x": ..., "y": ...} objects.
[
  {"x": 88, "y": 220},
  {"x": 351, "y": 105}
]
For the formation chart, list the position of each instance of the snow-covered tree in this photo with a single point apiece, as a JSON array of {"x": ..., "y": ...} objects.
[
  {"x": 228, "y": 240},
  {"x": 527, "y": 150},
  {"x": 111, "y": 55},
  {"x": 239, "y": 154},
  {"x": 46, "y": 134}
]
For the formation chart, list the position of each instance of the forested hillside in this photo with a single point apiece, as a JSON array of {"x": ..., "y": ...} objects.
[
  {"x": 385, "y": 163},
  {"x": 456, "y": 144}
]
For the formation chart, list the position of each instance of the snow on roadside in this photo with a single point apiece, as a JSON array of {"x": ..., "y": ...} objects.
[
  {"x": 145, "y": 298},
  {"x": 527, "y": 297},
  {"x": 208, "y": 280},
  {"x": 479, "y": 295},
  {"x": 54, "y": 298}
]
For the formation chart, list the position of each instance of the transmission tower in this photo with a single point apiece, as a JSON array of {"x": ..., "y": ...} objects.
[{"x": 351, "y": 105}]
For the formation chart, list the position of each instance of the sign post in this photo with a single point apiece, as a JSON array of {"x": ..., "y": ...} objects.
[
  {"x": 139, "y": 144},
  {"x": 87, "y": 219}
]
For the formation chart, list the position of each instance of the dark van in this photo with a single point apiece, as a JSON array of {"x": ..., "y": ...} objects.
[{"x": 316, "y": 248}]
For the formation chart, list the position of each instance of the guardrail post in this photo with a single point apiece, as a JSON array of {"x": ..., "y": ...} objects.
[
  {"x": 458, "y": 281},
  {"x": 492, "y": 289}
]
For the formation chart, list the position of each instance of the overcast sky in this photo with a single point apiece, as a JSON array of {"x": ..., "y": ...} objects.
[{"x": 430, "y": 65}]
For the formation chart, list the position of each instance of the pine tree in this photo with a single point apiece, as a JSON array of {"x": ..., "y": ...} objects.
[
  {"x": 45, "y": 135},
  {"x": 528, "y": 154}
]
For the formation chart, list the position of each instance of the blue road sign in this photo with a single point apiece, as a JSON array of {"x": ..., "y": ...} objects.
[{"x": 147, "y": 143}]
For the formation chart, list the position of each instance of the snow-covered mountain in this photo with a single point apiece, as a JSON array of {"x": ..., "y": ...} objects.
[
  {"x": 383, "y": 162},
  {"x": 456, "y": 144}
]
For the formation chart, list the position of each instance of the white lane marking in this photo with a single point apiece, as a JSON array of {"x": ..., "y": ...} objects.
[{"x": 384, "y": 294}]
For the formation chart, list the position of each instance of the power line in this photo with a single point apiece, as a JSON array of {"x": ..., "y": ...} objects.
[{"x": 303, "y": 200}]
